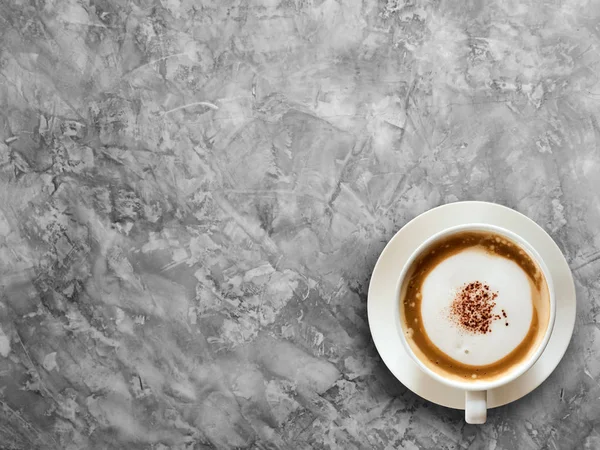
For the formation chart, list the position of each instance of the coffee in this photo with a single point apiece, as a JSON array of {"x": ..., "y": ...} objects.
[{"x": 474, "y": 305}]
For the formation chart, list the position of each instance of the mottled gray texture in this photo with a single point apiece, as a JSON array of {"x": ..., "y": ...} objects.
[{"x": 194, "y": 193}]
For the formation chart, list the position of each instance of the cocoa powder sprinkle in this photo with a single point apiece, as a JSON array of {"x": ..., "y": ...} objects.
[{"x": 472, "y": 308}]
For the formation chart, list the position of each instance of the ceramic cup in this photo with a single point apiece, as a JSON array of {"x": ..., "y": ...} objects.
[{"x": 476, "y": 391}]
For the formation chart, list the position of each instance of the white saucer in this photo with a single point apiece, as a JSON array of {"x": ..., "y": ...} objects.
[{"x": 382, "y": 297}]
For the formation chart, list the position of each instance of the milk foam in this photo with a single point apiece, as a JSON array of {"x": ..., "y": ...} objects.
[{"x": 514, "y": 297}]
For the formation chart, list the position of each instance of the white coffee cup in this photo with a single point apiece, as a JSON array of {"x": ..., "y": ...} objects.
[{"x": 476, "y": 391}]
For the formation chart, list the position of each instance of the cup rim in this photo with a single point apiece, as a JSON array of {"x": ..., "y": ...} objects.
[{"x": 523, "y": 367}]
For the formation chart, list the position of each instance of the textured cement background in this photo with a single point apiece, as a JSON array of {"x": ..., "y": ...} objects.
[{"x": 193, "y": 195}]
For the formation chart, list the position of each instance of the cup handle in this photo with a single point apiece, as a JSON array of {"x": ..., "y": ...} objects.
[{"x": 475, "y": 406}]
